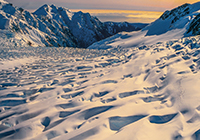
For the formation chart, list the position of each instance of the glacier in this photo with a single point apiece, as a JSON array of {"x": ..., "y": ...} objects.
[{"x": 141, "y": 85}]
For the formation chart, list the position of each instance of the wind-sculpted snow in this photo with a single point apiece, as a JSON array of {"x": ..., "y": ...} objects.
[{"x": 147, "y": 92}]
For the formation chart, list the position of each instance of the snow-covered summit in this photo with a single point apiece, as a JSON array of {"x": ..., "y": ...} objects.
[
  {"x": 51, "y": 11},
  {"x": 84, "y": 27},
  {"x": 45, "y": 10},
  {"x": 177, "y": 18},
  {"x": 33, "y": 30}
]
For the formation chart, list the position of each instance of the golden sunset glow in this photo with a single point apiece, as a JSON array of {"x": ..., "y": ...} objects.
[
  {"x": 165, "y": 4},
  {"x": 124, "y": 15},
  {"x": 114, "y": 11}
]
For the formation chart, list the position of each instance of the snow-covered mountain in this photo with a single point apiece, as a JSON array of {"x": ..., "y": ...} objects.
[
  {"x": 179, "y": 22},
  {"x": 58, "y": 26}
]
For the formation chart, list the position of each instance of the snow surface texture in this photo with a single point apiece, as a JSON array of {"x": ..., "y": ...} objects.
[
  {"x": 180, "y": 22},
  {"x": 147, "y": 92},
  {"x": 58, "y": 26}
]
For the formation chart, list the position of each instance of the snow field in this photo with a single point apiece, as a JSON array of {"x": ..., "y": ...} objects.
[{"x": 148, "y": 92}]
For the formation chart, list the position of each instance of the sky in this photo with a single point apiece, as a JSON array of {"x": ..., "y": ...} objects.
[
  {"x": 132, "y": 16},
  {"x": 133, "y": 11},
  {"x": 146, "y": 5}
]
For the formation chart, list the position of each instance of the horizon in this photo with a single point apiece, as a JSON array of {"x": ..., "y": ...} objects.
[{"x": 131, "y": 16}]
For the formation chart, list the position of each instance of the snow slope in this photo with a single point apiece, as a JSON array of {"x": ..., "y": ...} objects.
[{"x": 180, "y": 22}]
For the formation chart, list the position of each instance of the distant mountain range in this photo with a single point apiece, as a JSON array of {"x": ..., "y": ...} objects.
[{"x": 58, "y": 26}]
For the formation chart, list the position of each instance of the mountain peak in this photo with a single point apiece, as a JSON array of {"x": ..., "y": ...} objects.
[
  {"x": 178, "y": 18},
  {"x": 53, "y": 6},
  {"x": 180, "y": 11},
  {"x": 44, "y": 10},
  {"x": 46, "y": 7},
  {"x": 176, "y": 13}
]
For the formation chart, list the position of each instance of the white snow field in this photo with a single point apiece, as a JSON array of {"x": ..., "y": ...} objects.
[{"x": 142, "y": 93}]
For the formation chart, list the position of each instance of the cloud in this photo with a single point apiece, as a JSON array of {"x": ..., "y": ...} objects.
[{"x": 139, "y": 15}]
